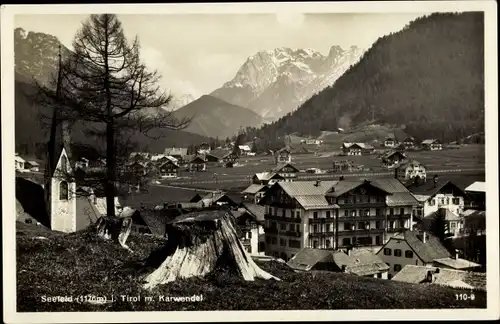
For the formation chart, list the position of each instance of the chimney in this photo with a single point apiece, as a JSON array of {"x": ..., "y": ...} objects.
[
  {"x": 424, "y": 237},
  {"x": 318, "y": 182},
  {"x": 456, "y": 255}
]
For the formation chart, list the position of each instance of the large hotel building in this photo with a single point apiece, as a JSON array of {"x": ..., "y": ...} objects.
[{"x": 334, "y": 214}]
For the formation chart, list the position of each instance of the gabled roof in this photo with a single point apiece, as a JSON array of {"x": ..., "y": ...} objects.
[
  {"x": 457, "y": 264},
  {"x": 280, "y": 166},
  {"x": 307, "y": 258},
  {"x": 264, "y": 176},
  {"x": 341, "y": 187},
  {"x": 306, "y": 188},
  {"x": 430, "y": 141},
  {"x": 429, "y": 189},
  {"x": 255, "y": 210},
  {"x": 198, "y": 159},
  {"x": 244, "y": 147},
  {"x": 478, "y": 186},
  {"x": 19, "y": 159},
  {"x": 220, "y": 153},
  {"x": 360, "y": 145},
  {"x": 412, "y": 163},
  {"x": 401, "y": 199},
  {"x": 360, "y": 262},
  {"x": 448, "y": 215},
  {"x": 445, "y": 277},
  {"x": 254, "y": 188},
  {"x": 429, "y": 251},
  {"x": 392, "y": 153}
]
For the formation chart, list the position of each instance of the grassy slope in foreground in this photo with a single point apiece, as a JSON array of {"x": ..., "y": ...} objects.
[{"x": 80, "y": 264}]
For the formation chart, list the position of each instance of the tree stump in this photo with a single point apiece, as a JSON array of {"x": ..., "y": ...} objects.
[
  {"x": 114, "y": 228},
  {"x": 197, "y": 244}
]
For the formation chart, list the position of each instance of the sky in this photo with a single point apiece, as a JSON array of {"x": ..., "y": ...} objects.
[{"x": 198, "y": 53}]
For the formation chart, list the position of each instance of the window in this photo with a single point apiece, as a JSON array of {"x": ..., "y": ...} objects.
[
  {"x": 283, "y": 211},
  {"x": 283, "y": 227},
  {"x": 377, "y": 240},
  {"x": 315, "y": 244},
  {"x": 294, "y": 244},
  {"x": 401, "y": 211},
  {"x": 397, "y": 267},
  {"x": 297, "y": 228},
  {"x": 64, "y": 164},
  {"x": 315, "y": 228},
  {"x": 377, "y": 224},
  {"x": 391, "y": 211},
  {"x": 268, "y": 239},
  {"x": 328, "y": 227},
  {"x": 432, "y": 202},
  {"x": 379, "y": 275},
  {"x": 298, "y": 214},
  {"x": 63, "y": 191},
  {"x": 397, "y": 252},
  {"x": 282, "y": 242},
  {"x": 315, "y": 215},
  {"x": 327, "y": 243},
  {"x": 441, "y": 201},
  {"x": 270, "y": 210},
  {"x": 455, "y": 201},
  {"x": 347, "y": 227},
  {"x": 453, "y": 225},
  {"x": 377, "y": 212},
  {"x": 409, "y": 254},
  {"x": 327, "y": 214},
  {"x": 447, "y": 200},
  {"x": 353, "y": 213},
  {"x": 346, "y": 213},
  {"x": 274, "y": 240},
  {"x": 387, "y": 251}
]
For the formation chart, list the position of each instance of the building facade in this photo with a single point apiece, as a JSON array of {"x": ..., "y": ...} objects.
[
  {"x": 407, "y": 171},
  {"x": 331, "y": 215}
]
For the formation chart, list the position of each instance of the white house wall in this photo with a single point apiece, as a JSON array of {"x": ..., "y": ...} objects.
[{"x": 456, "y": 209}]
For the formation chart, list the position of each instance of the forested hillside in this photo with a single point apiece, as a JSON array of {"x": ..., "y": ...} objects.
[{"x": 428, "y": 78}]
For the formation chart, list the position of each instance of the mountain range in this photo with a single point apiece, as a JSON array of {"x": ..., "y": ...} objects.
[
  {"x": 36, "y": 57},
  {"x": 427, "y": 78},
  {"x": 274, "y": 83}
]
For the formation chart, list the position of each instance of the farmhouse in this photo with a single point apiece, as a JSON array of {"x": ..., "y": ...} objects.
[
  {"x": 19, "y": 162},
  {"x": 359, "y": 262},
  {"x": 434, "y": 194},
  {"x": 432, "y": 145},
  {"x": 454, "y": 223},
  {"x": 390, "y": 142},
  {"x": 393, "y": 158},
  {"x": 356, "y": 148},
  {"x": 168, "y": 169},
  {"x": 266, "y": 178},
  {"x": 204, "y": 148},
  {"x": 218, "y": 198},
  {"x": 244, "y": 149},
  {"x": 138, "y": 168},
  {"x": 32, "y": 166},
  {"x": 198, "y": 163},
  {"x": 334, "y": 214},
  {"x": 178, "y": 153},
  {"x": 409, "y": 143},
  {"x": 230, "y": 159},
  {"x": 409, "y": 171},
  {"x": 255, "y": 192},
  {"x": 411, "y": 248},
  {"x": 445, "y": 277},
  {"x": 250, "y": 220},
  {"x": 283, "y": 155},
  {"x": 287, "y": 171},
  {"x": 477, "y": 195}
]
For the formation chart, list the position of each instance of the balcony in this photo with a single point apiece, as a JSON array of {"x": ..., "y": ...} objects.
[
  {"x": 321, "y": 220},
  {"x": 396, "y": 229},
  {"x": 271, "y": 230},
  {"x": 360, "y": 218},
  {"x": 290, "y": 233},
  {"x": 363, "y": 205},
  {"x": 398, "y": 216},
  {"x": 361, "y": 231},
  {"x": 283, "y": 219},
  {"x": 321, "y": 234}
]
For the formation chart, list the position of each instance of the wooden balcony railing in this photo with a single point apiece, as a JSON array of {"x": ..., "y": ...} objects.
[{"x": 283, "y": 219}]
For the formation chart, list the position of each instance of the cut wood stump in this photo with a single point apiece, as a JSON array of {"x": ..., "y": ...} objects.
[
  {"x": 114, "y": 228},
  {"x": 197, "y": 244}
]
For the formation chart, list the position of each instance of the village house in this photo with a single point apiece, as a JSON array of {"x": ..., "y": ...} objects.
[
  {"x": 393, "y": 158},
  {"x": 434, "y": 194},
  {"x": 32, "y": 166},
  {"x": 453, "y": 223},
  {"x": 266, "y": 178},
  {"x": 357, "y": 148},
  {"x": 334, "y": 214},
  {"x": 411, "y": 248},
  {"x": 432, "y": 145},
  {"x": 217, "y": 155},
  {"x": 140, "y": 156},
  {"x": 177, "y": 152},
  {"x": 409, "y": 143},
  {"x": 250, "y": 220},
  {"x": 477, "y": 196},
  {"x": 287, "y": 171},
  {"x": 417, "y": 274},
  {"x": 255, "y": 192},
  {"x": 19, "y": 163},
  {"x": 358, "y": 262},
  {"x": 283, "y": 155},
  {"x": 245, "y": 149},
  {"x": 408, "y": 171},
  {"x": 230, "y": 159},
  {"x": 218, "y": 198},
  {"x": 198, "y": 164},
  {"x": 204, "y": 148},
  {"x": 138, "y": 168},
  {"x": 311, "y": 141},
  {"x": 390, "y": 142},
  {"x": 168, "y": 169}
]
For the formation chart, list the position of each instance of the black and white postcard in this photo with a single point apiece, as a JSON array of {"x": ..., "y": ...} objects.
[{"x": 268, "y": 161}]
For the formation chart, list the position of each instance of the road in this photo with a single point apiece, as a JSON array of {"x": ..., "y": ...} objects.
[{"x": 330, "y": 176}]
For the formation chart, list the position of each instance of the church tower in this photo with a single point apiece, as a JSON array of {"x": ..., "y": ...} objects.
[{"x": 60, "y": 186}]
